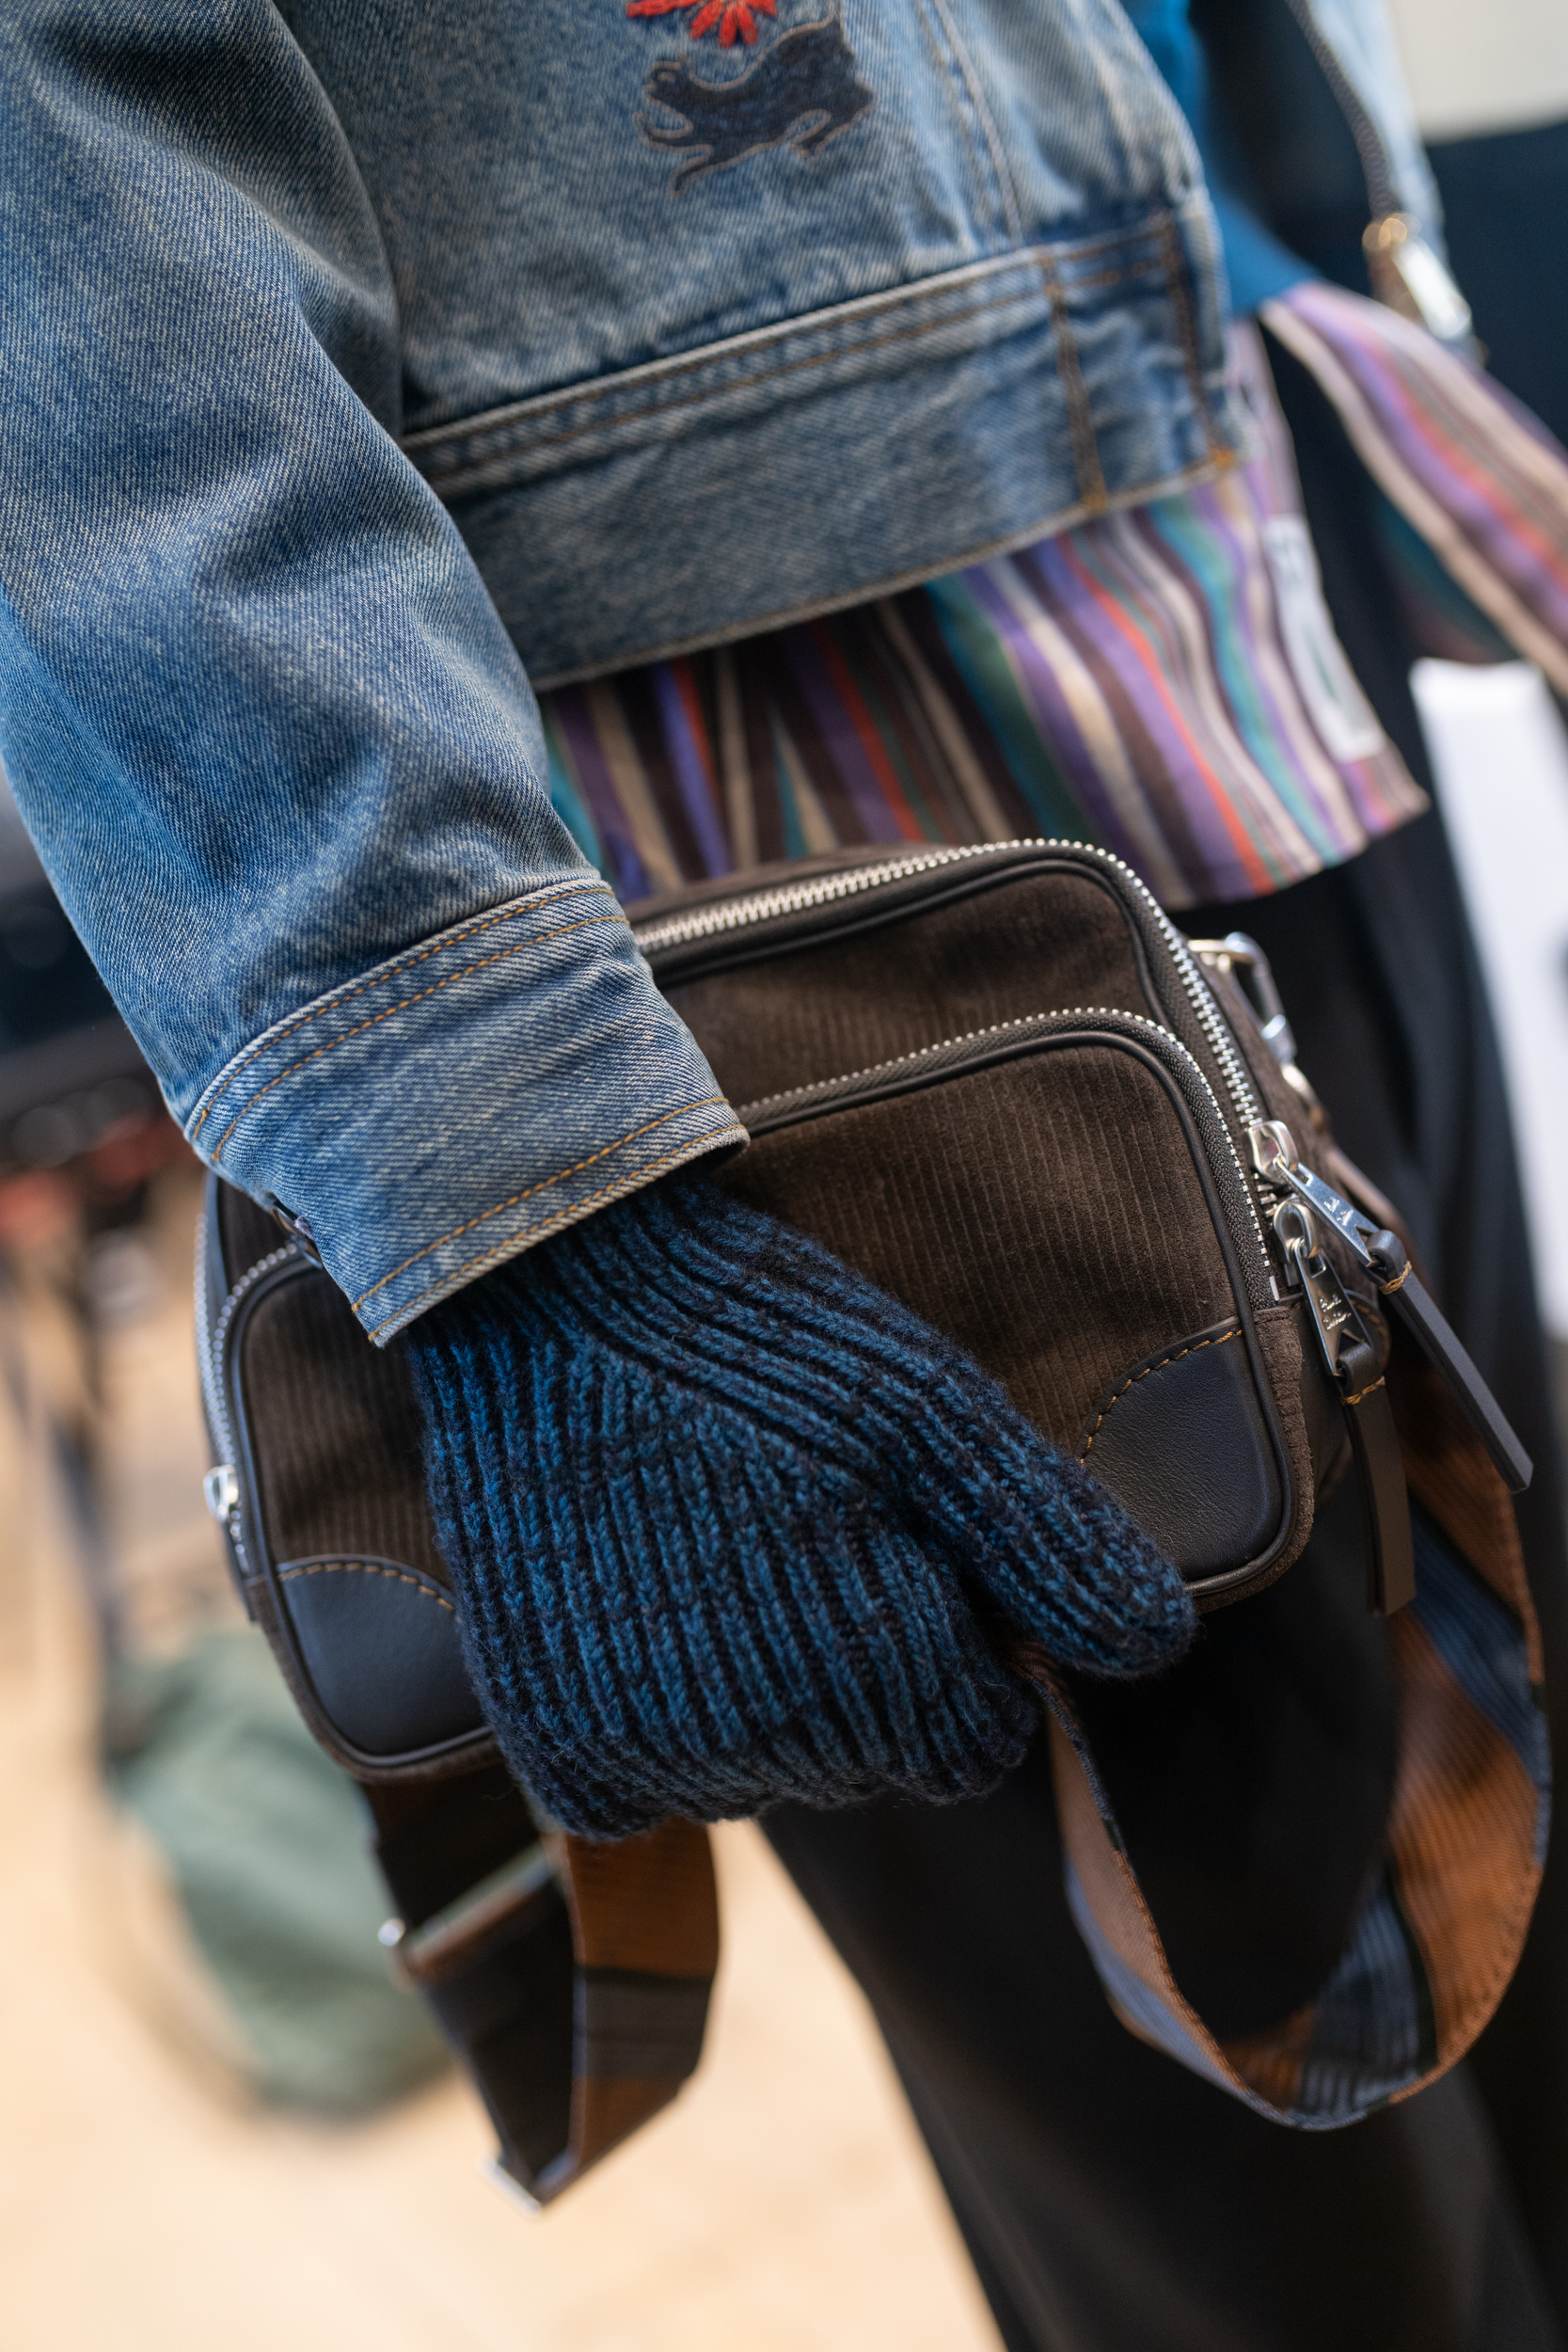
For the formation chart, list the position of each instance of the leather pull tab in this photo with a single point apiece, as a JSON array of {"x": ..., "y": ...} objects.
[
  {"x": 1416, "y": 1309},
  {"x": 1385, "y": 1502}
]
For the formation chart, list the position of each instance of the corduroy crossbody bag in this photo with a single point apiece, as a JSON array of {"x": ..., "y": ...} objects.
[{"x": 999, "y": 1083}]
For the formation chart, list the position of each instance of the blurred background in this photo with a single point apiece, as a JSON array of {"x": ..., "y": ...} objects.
[{"x": 221, "y": 2117}]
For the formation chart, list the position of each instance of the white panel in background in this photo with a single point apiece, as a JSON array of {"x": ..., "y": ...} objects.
[
  {"x": 1472, "y": 69},
  {"x": 1500, "y": 754}
]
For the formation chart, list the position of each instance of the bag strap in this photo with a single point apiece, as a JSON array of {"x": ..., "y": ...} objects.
[
  {"x": 571, "y": 1978},
  {"x": 1384, "y": 1504},
  {"x": 1440, "y": 1929}
]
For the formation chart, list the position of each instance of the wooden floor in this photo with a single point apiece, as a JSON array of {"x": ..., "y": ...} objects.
[{"x": 785, "y": 2206}]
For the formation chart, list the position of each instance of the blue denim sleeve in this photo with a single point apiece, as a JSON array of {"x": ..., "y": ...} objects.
[{"x": 276, "y": 749}]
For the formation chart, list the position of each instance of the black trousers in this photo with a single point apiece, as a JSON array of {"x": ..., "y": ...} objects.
[{"x": 1109, "y": 2199}]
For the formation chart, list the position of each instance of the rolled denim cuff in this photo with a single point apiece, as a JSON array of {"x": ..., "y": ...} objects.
[{"x": 466, "y": 1099}]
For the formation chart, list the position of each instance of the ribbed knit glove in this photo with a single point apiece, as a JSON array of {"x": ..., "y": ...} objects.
[{"x": 728, "y": 1524}]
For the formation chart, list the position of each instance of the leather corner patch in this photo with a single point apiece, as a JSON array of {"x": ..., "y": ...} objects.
[
  {"x": 1180, "y": 1441},
  {"x": 379, "y": 1642}
]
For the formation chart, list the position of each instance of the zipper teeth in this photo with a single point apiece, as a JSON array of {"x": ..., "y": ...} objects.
[
  {"x": 1000, "y": 1028},
  {"x": 211, "y": 1339},
  {"x": 1381, "y": 196},
  {"x": 1210, "y": 1020},
  {"x": 901, "y": 1062},
  {"x": 203, "y": 1333},
  {"x": 739, "y": 914},
  {"x": 677, "y": 930}
]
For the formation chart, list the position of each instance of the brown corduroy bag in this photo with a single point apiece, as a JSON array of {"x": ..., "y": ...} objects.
[{"x": 1000, "y": 1084}]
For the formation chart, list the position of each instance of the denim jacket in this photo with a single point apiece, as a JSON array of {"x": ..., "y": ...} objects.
[{"x": 358, "y": 352}]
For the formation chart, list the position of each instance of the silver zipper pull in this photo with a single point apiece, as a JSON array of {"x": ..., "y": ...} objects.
[
  {"x": 1333, "y": 1318},
  {"x": 1274, "y": 1156},
  {"x": 221, "y": 1489},
  {"x": 1405, "y": 273},
  {"x": 1409, "y": 277},
  {"x": 1276, "y": 1159},
  {"x": 1351, "y": 1362}
]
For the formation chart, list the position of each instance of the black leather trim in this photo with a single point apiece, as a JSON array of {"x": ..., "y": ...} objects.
[
  {"x": 1327, "y": 1439},
  {"x": 380, "y": 1643},
  {"x": 1180, "y": 1441},
  {"x": 416, "y": 1659}
]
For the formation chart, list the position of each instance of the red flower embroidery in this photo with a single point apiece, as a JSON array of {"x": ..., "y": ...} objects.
[{"x": 737, "y": 20}]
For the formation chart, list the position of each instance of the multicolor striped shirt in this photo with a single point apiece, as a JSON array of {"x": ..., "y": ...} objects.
[
  {"x": 1475, "y": 489},
  {"x": 1163, "y": 681}
]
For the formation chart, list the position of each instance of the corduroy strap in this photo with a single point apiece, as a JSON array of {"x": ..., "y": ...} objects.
[{"x": 1440, "y": 1931}]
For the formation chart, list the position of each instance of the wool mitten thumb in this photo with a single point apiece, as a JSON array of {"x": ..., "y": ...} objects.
[{"x": 728, "y": 1524}]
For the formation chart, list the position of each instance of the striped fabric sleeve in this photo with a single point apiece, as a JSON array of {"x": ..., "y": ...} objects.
[{"x": 1478, "y": 484}]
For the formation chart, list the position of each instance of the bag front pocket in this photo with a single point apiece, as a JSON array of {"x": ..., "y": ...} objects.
[{"x": 1060, "y": 1197}]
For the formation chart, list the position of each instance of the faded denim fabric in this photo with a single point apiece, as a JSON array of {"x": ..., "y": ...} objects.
[
  {"x": 688, "y": 337},
  {"x": 985, "y": 305}
]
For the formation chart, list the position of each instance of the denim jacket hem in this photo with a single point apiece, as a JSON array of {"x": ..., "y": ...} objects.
[
  {"x": 1088, "y": 372},
  {"x": 1040, "y": 527},
  {"x": 466, "y": 1099}
]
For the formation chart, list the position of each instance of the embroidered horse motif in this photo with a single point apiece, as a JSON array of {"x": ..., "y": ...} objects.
[{"x": 802, "y": 92}]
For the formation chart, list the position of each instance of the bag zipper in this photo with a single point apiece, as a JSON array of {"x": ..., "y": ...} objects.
[
  {"x": 739, "y": 913},
  {"x": 955, "y": 1056},
  {"x": 221, "y": 1484}
]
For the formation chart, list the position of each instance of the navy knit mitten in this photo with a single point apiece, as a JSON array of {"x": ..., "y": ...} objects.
[{"x": 724, "y": 1522}]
